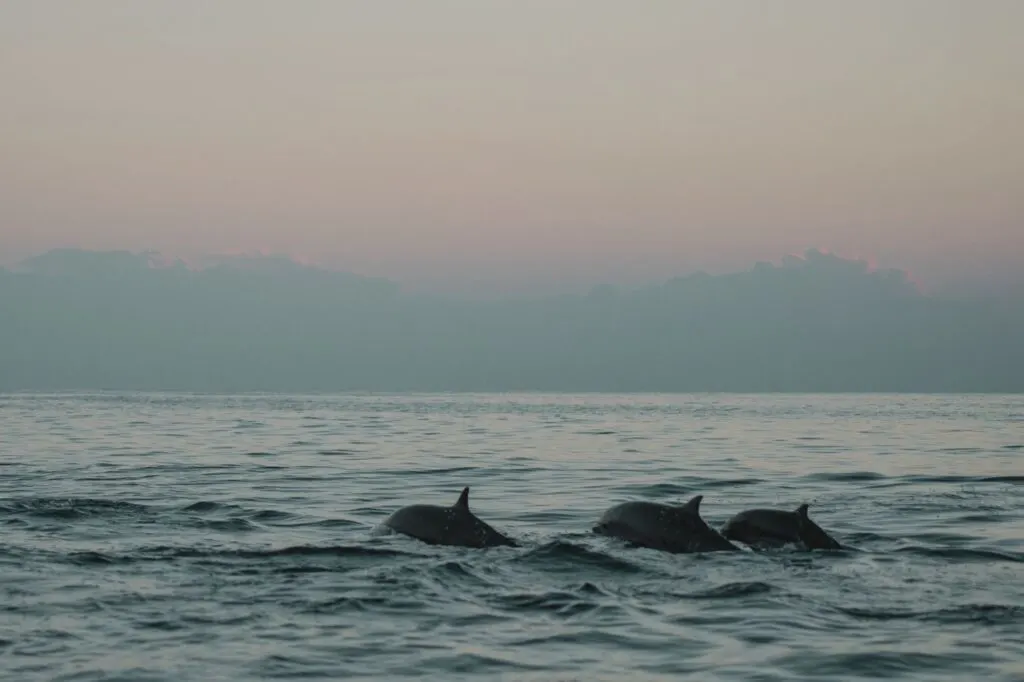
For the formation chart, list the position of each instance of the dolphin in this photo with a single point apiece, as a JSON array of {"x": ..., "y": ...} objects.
[
  {"x": 455, "y": 525},
  {"x": 777, "y": 527},
  {"x": 677, "y": 529}
]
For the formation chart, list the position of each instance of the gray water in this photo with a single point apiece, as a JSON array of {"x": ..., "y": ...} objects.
[{"x": 189, "y": 537}]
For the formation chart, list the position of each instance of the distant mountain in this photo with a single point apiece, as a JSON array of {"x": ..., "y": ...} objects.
[{"x": 89, "y": 320}]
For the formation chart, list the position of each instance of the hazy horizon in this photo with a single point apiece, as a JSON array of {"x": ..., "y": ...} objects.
[
  {"x": 463, "y": 285},
  {"x": 74, "y": 319},
  {"x": 519, "y": 147}
]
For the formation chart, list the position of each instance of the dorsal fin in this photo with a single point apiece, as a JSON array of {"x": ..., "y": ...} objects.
[
  {"x": 463, "y": 502},
  {"x": 802, "y": 511},
  {"x": 693, "y": 506}
]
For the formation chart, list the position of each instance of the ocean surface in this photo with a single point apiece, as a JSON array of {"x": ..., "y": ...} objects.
[{"x": 199, "y": 537}]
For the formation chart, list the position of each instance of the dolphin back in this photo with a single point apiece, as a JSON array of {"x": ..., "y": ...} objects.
[
  {"x": 811, "y": 534},
  {"x": 777, "y": 527},
  {"x": 455, "y": 525},
  {"x": 659, "y": 526},
  {"x": 763, "y": 527}
]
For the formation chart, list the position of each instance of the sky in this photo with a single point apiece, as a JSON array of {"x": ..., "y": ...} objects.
[{"x": 466, "y": 145}]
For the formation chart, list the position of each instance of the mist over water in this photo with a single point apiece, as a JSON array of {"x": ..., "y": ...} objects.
[{"x": 158, "y": 536}]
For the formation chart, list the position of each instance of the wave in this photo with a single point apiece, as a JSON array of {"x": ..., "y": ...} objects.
[
  {"x": 846, "y": 477},
  {"x": 882, "y": 664},
  {"x": 962, "y": 554},
  {"x": 71, "y": 508},
  {"x": 560, "y": 552},
  {"x": 964, "y": 479},
  {"x": 693, "y": 486},
  {"x": 361, "y": 603},
  {"x": 870, "y": 476},
  {"x": 165, "y": 553},
  {"x": 559, "y": 602},
  {"x": 980, "y": 614},
  {"x": 213, "y": 515},
  {"x": 731, "y": 590},
  {"x": 204, "y": 507}
]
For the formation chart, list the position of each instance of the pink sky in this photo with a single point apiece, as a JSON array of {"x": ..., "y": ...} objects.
[{"x": 468, "y": 144}]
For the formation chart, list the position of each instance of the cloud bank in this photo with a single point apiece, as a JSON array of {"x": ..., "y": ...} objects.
[{"x": 73, "y": 319}]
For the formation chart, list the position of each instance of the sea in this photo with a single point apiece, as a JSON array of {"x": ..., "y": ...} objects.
[{"x": 172, "y": 536}]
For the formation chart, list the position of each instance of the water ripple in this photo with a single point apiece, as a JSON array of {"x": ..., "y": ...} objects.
[{"x": 181, "y": 536}]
